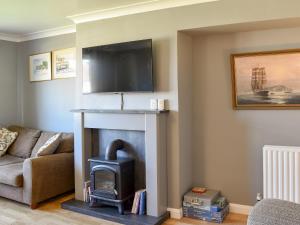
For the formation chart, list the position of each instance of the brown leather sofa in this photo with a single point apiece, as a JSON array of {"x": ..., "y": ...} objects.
[{"x": 29, "y": 179}]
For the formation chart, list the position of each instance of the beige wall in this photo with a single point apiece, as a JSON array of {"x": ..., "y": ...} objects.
[{"x": 227, "y": 152}]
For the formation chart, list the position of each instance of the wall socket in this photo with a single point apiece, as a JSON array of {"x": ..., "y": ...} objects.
[
  {"x": 153, "y": 104},
  {"x": 161, "y": 104},
  {"x": 157, "y": 104}
]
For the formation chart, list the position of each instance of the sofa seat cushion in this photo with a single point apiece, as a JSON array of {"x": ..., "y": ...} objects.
[
  {"x": 25, "y": 142},
  {"x": 45, "y": 136},
  {"x": 12, "y": 174},
  {"x": 9, "y": 159}
]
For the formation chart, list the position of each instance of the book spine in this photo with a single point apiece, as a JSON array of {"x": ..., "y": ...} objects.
[
  {"x": 137, "y": 206},
  {"x": 89, "y": 198},
  {"x": 84, "y": 194},
  {"x": 142, "y": 206},
  {"x": 86, "y": 191},
  {"x": 133, "y": 209}
]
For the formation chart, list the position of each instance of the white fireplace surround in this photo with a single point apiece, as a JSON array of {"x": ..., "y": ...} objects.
[{"x": 153, "y": 123}]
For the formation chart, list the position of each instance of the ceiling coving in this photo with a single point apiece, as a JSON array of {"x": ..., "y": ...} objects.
[{"x": 33, "y": 19}]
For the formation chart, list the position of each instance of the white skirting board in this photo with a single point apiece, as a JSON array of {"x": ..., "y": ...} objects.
[
  {"x": 234, "y": 208},
  {"x": 175, "y": 213},
  {"x": 240, "y": 209}
]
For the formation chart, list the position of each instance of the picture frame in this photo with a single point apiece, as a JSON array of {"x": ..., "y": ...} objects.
[
  {"x": 266, "y": 80},
  {"x": 64, "y": 63},
  {"x": 40, "y": 67}
]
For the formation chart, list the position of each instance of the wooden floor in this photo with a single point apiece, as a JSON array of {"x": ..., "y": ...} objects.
[
  {"x": 50, "y": 213},
  {"x": 231, "y": 219}
]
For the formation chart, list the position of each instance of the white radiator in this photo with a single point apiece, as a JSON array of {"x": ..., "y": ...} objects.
[{"x": 281, "y": 171}]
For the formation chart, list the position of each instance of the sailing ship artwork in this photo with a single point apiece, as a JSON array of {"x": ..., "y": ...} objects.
[{"x": 266, "y": 80}]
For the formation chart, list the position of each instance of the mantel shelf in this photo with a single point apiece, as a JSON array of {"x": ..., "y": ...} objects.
[{"x": 117, "y": 111}]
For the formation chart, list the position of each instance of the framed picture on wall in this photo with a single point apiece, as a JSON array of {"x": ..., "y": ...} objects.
[
  {"x": 40, "y": 67},
  {"x": 266, "y": 80},
  {"x": 64, "y": 63}
]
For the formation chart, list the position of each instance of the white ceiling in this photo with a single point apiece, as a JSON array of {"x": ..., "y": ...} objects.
[
  {"x": 27, "y": 16},
  {"x": 30, "y": 19}
]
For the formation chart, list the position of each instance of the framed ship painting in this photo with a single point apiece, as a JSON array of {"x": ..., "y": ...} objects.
[
  {"x": 64, "y": 63},
  {"x": 40, "y": 67},
  {"x": 266, "y": 80}
]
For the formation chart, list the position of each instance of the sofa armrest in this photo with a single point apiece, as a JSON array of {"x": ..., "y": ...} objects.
[
  {"x": 47, "y": 176},
  {"x": 274, "y": 212}
]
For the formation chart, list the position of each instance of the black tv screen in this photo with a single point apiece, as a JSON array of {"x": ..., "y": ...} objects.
[{"x": 122, "y": 67}]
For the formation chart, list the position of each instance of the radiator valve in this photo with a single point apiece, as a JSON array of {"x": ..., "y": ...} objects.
[{"x": 259, "y": 197}]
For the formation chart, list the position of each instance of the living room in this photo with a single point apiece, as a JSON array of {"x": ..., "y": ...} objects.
[{"x": 187, "y": 128}]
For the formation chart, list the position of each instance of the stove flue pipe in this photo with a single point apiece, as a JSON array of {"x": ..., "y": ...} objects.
[{"x": 112, "y": 148}]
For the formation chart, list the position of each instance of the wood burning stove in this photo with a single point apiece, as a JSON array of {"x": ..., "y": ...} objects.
[{"x": 112, "y": 178}]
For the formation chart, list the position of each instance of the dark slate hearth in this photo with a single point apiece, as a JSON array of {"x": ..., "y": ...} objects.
[{"x": 111, "y": 214}]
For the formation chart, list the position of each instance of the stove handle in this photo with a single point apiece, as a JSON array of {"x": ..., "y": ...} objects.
[{"x": 102, "y": 167}]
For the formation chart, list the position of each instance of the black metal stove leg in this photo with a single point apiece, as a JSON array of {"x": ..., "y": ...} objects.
[{"x": 93, "y": 203}]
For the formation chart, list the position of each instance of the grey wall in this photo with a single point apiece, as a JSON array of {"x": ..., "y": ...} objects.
[
  {"x": 162, "y": 27},
  {"x": 185, "y": 97},
  {"x": 8, "y": 82},
  {"x": 227, "y": 144},
  {"x": 45, "y": 105},
  {"x": 165, "y": 60}
]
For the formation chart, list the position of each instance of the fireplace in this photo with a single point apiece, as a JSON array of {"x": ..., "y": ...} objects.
[
  {"x": 112, "y": 178},
  {"x": 145, "y": 133}
]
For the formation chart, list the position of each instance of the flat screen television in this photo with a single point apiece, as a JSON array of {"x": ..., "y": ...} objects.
[{"x": 118, "y": 68}]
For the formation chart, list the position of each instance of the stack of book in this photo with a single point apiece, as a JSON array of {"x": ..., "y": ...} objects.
[
  {"x": 208, "y": 205},
  {"x": 139, "y": 203},
  {"x": 87, "y": 191}
]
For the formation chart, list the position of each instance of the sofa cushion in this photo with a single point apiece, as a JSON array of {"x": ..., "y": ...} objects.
[
  {"x": 9, "y": 159},
  {"x": 50, "y": 146},
  {"x": 45, "y": 136},
  {"x": 12, "y": 174},
  {"x": 23, "y": 146},
  {"x": 66, "y": 144},
  {"x": 7, "y": 137}
]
